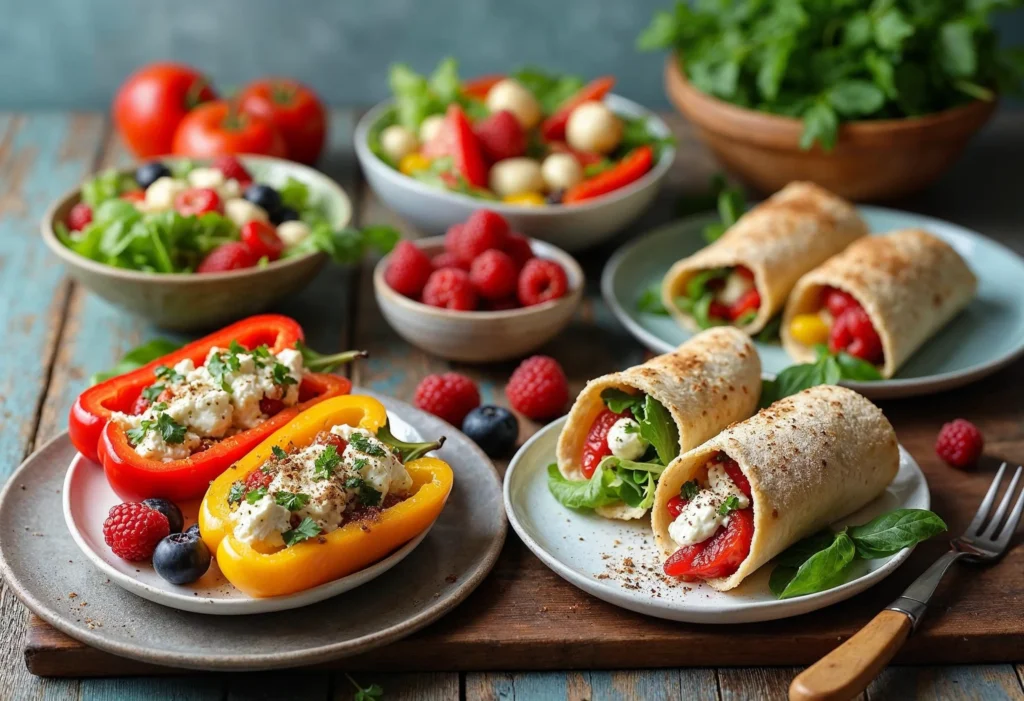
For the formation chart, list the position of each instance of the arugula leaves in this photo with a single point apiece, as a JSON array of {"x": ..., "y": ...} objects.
[
  {"x": 828, "y": 369},
  {"x": 826, "y": 63},
  {"x": 822, "y": 561}
]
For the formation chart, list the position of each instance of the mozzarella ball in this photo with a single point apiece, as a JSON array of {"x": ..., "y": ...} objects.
[
  {"x": 292, "y": 232},
  {"x": 160, "y": 195},
  {"x": 514, "y": 176},
  {"x": 593, "y": 128},
  {"x": 510, "y": 95},
  {"x": 430, "y": 127},
  {"x": 206, "y": 177},
  {"x": 242, "y": 211},
  {"x": 397, "y": 141},
  {"x": 231, "y": 188},
  {"x": 561, "y": 171}
]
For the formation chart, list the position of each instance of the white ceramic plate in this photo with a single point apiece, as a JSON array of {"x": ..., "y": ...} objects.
[
  {"x": 87, "y": 500},
  {"x": 985, "y": 337},
  {"x": 617, "y": 561}
]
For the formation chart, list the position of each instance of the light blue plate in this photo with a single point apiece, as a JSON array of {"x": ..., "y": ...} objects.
[{"x": 982, "y": 339}]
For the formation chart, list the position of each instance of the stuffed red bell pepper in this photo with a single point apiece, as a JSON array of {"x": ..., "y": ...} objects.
[{"x": 170, "y": 427}]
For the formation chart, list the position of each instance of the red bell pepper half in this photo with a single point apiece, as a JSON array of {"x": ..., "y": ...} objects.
[
  {"x": 132, "y": 476},
  {"x": 630, "y": 169},
  {"x": 553, "y": 128},
  {"x": 466, "y": 154}
]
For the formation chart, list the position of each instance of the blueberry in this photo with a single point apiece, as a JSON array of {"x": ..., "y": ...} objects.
[
  {"x": 193, "y": 530},
  {"x": 493, "y": 428},
  {"x": 148, "y": 173},
  {"x": 168, "y": 509},
  {"x": 181, "y": 558},
  {"x": 555, "y": 197},
  {"x": 284, "y": 214},
  {"x": 264, "y": 196}
]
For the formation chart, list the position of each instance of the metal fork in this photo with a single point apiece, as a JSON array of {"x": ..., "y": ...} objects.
[{"x": 847, "y": 670}]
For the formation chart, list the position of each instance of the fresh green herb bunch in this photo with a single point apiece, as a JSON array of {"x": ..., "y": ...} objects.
[{"x": 827, "y": 61}]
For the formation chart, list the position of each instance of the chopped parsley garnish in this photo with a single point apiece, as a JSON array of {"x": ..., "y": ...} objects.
[
  {"x": 291, "y": 500},
  {"x": 325, "y": 463},
  {"x": 222, "y": 364},
  {"x": 138, "y": 434},
  {"x": 261, "y": 354},
  {"x": 304, "y": 531},
  {"x": 152, "y": 392},
  {"x": 731, "y": 503},
  {"x": 689, "y": 489},
  {"x": 160, "y": 406},
  {"x": 367, "y": 495},
  {"x": 360, "y": 463},
  {"x": 279, "y": 453},
  {"x": 632, "y": 428},
  {"x": 236, "y": 493},
  {"x": 255, "y": 495},
  {"x": 235, "y": 347},
  {"x": 281, "y": 376},
  {"x": 360, "y": 442},
  {"x": 169, "y": 429},
  {"x": 167, "y": 374}
]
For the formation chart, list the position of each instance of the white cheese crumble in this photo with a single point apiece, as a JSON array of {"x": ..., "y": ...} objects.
[
  {"x": 735, "y": 287},
  {"x": 701, "y": 517},
  {"x": 625, "y": 441}
]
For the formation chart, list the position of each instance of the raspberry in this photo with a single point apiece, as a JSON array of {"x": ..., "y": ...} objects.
[
  {"x": 538, "y": 388},
  {"x": 132, "y": 530},
  {"x": 197, "y": 200},
  {"x": 483, "y": 231},
  {"x": 518, "y": 246},
  {"x": 449, "y": 396},
  {"x": 451, "y": 239},
  {"x": 233, "y": 255},
  {"x": 540, "y": 281},
  {"x": 501, "y": 136},
  {"x": 448, "y": 260},
  {"x": 960, "y": 443},
  {"x": 231, "y": 167},
  {"x": 854, "y": 333},
  {"x": 450, "y": 289},
  {"x": 493, "y": 274},
  {"x": 79, "y": 217},
  {"x": 408, "y": 269}
]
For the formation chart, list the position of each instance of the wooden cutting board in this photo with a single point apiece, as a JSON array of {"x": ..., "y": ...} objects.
[{"x": 525, "y": 617}]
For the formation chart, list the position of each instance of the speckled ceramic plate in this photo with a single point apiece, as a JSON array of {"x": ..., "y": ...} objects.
[
  {"x": 617, "y": 561},
  {"x": 987, "y": 336},
  {"x": 88, "y": 498},
  {"x": 44, "y": 567}
]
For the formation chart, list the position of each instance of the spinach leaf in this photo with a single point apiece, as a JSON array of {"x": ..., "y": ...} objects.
[
  {"x": 649, "y": 301},
  {"x": 659, "y": 429},
  {"x": 136, "y": 358},
  {"x": 828, "y": 369},
  {"x": 891, "y": 532},
  {"x": 583, "y": 494},
  {"x": 825, "y": 569}
]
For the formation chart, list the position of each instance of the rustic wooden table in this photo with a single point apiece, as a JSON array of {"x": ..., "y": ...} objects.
[{"x": 57, "y": 334}]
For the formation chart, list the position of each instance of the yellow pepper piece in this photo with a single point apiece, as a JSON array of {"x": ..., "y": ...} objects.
[
  {"x": 412, "y": 162},
  {"x": 526, "y": 199},
  {"x": 277, "y": 572},
  {"x": 809, "y": 329}
]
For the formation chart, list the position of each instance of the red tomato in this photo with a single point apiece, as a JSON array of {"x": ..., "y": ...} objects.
[
  {"x": 134, "y": 196},
  {"x": 262, "y": 239},
  {"x": 271, "y": 407},
  {"x": 294, "y": 109},
  {"x": 718, "y": 556},
  {"x": 854, "y": 333},
  {"x": 479, "y": 87},
  {"x": 717, "y": 310},
  {"x": 217, "y": 128},
  {"x": 837, "y": 301},
  {"x": 152, "y": 102},
  {"x": 675, "y": 506},
  {"x": 595, "y": 447},
  {"x": 233, "y": 255},
  {"x": 553, "y": 128},
  {"x": 749, "y": 302},
  {"x": 732, "y": 469},
  {"x": 197, "y": 200},
  {"x": 466, "y": 154},
  {"x": 744, "y": 271}
]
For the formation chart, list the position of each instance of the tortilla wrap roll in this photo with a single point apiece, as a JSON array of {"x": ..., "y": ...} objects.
[
  {"x": 810, "y": 459},
  {"x": 707, "y": 383},
  {"x": 910, "y": 282},
  {"x": 779, "y": 240}
]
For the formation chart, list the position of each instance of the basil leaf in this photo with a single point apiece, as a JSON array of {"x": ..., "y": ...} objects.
[
  {"x": 853, "y": 368},
  {"x": 649, "y": 301},
  {"x": 825, "y": 569},
  {"x": 618, "y": 401},
  {"x": 770, "y": 332},
  {"x": 582, "y": 494},
  {"x": 659, "y": 429},
  {"x": 136, "y": 358},
  {"x": 798, "y": 553},
  {"x": 891, "y": 532}
]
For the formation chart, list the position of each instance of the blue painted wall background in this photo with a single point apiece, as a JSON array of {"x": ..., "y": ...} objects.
[{"x": 74, "y": 53}]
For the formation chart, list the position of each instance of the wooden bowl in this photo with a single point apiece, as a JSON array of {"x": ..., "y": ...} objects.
[
  {"x": 479, "y": 337},
  {"x": 192, "y": 301},
  {"x": 872, "y": 159}
]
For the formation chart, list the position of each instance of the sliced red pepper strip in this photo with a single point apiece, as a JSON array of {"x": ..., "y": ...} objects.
[
  {"x": 630, "y": 169},
  {"x": 480, "y": 86},
  {"x": 466, "y": 154},
  {"x": 131, "y": 475},
  {"x": 553, "y": 128}
]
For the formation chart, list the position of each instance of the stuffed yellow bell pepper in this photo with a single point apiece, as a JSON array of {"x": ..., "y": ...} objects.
[{"x": 328, "y": 494}]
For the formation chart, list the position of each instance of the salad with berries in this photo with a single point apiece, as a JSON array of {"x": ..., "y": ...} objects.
[
  {"x": 180, "y": 216},
  {"x": 529, "y": 138}
]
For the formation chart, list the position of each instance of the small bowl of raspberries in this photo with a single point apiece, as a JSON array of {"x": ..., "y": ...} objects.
[{"x": 480, "y": 293}]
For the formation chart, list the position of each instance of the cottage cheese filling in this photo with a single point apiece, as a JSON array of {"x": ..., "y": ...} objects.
[{"x": 701, "y": 517}]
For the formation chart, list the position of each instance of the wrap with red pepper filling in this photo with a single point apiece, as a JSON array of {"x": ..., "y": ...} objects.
[
  {"x": 625, "y": 427},
  {"x": 726, "y": 508},
  {"x": 744, "y": 278}
]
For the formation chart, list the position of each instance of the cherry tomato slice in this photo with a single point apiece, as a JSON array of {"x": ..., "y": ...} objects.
[
  {"x": 744, "y": 271},
  {"x": 717, "y": 310},
  {"x": 837, "y": 301},
  {"x": 270, "y": 407},
  {"x": 257, "y": 479},
  {"x": 595, "y": 448},
  {"x": 197, "y": 200},
  {"x": 675, "y": 506},
  {"x": 732, "y": 469},
  {"x": 134, "y": 196},
  {"x": 262, "y": 239},
  {"x": 749, "y": 302},
  {"x": 854, "y": 333},
  {"x": 718, "y": 556}
]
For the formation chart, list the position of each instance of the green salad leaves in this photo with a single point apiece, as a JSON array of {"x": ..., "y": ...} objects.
[
  {"x": 828, "y": 369},
  {"x": 827, "y": 62},
  {"x": 624, "y": 481},
  {"x": 823, "y": 561}
]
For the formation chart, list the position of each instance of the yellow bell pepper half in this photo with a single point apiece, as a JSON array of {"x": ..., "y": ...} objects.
[{"x": 277, "y": 572}]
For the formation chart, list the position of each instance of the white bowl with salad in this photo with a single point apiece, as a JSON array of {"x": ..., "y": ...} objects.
[
  {"x": 562, "y": 159},
  {"x": 190, "y": 244}
]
